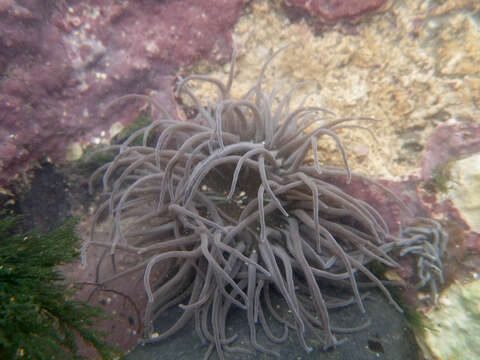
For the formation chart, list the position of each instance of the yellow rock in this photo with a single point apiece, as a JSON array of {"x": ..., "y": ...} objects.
[
  {"x": 454, "y": 327},
  {"x": 74, "y": 152},
  {"x": 459, "y": 50},
  {"x": 393, "y": 69},
  {"x": 115, "y": 129},
  {"x": 465, "y": 189}
]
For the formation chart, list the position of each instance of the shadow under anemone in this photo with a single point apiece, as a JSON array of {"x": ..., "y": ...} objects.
[{"x": 233, "y": 211}]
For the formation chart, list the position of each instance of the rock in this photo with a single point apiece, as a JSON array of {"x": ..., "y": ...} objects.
[
  {"x": 447, "y": 143},
  {"x": 45, "y": 202},
  {"x": 452, "y": 329},
  {"x": 459, "y": 32},
  {"x": 331, "y": 11},
  {"x": 388, "y": 336},
  {"x": 464, "y": 189},
  {"x": 61, "y": 63}
]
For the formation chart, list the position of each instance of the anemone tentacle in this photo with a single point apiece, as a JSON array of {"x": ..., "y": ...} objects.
[{"x": 230, "y": 208}]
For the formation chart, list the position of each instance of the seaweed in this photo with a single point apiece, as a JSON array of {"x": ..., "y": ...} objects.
[
  {"x": 39, "y": 319},
  {"x": 93, "y": 158}
]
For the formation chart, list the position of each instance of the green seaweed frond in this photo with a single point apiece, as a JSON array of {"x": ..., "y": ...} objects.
[
  {"x": 94, "y": 158},
  {"x": 38, "y": 318},
  {"x": 141, "y": 121}
]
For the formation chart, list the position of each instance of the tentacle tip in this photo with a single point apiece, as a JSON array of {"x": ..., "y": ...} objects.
[{"x": 333, "y": 343}]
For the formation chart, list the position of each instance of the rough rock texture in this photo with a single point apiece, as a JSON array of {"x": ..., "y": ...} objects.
[
  {"x": 449, "y": 142},
  {"x": 388, "y": 337},
  {"x": 331, "y": 11},
  {"x": 125, "y": 300},
  {"x": 464, "y": 194},
  {"x": 389, "y": 70},
  {"x": 448, "y": 189},
  {"x": 60, "y": 62},
  {"x": 45, "y": 213},
  {"x": 388, "y": 204},
  {"x": 415, "y": 67},
  {"x": 454, "y": 325}
]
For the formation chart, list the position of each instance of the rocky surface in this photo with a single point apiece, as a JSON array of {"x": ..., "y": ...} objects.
[
  {"x": 62, "y": 62},
  {"x": 387, "y": 337},
  {"x": 453, "y": 327},
  {"x": 415, "y": 67},
  {"x": 449, "y": 142},
  {"x": 331, "y": 11},
  {"x": 464, "y": 189},
  {"x": 391, "y": 69}
]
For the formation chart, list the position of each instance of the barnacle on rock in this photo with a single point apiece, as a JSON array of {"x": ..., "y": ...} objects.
[{"x": 227, "y": 210}]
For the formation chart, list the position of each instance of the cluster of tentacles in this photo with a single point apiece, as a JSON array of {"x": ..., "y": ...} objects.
[
  {"x": 427, "y": 242},
  {"x": 231, "y": 209}
]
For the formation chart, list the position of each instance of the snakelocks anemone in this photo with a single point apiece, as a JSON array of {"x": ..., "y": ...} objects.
[{"x": 234, "y": 208}]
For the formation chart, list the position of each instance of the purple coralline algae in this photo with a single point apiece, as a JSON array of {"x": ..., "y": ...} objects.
[
  {"x": 449, "y": 142},
  {"x": 59, "y": 63},
  {"x": 332, "y": 11}
]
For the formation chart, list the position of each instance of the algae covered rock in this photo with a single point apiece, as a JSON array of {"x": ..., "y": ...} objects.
[
  {"x": 465, "y": 189},
  {"x": 453, "y": 328}
]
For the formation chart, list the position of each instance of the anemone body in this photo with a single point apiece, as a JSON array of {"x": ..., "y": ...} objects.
[{"x": 230, "y": 209}]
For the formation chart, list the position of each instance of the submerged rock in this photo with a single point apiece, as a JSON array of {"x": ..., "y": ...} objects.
[
  {"x": 465, "y": 189},
  {"x": 452, "y": 329},
  {"x": 388, "y": 336},
  {"x": 61, "y": 63},
  {"x": 331, "y": 11}
]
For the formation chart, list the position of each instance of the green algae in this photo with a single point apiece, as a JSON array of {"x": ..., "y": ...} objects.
[{"x": 38, "y": 317}]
